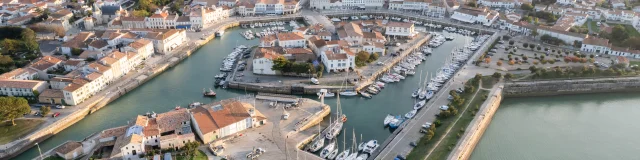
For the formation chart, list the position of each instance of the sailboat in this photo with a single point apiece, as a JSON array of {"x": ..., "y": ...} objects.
[
  {"x": 336, "y": 126},
  {"x": 318, "y": 143},
  {"x": 354, "y": 152},
  {"x": 343, "y": 155},
  {"x": 419, "y": 89},
  {"x": 328, "y": 149}
]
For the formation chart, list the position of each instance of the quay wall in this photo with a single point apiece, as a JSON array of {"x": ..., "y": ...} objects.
[
  {"x": 570, "y": 86},
  {"x": 478, "y": 125},
  {"x": 16, "y": 147}
]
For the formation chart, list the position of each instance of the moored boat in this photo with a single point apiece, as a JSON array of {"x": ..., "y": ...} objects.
[
  {"x": 410, "y": 114},
  {"x": 209, "y": 93},
  {"x": 419, "y": 104},
  {"x": 348, "y": 93},
  {"x": 388, "y": 119}
]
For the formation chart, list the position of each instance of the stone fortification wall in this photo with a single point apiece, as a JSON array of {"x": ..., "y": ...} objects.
[{"x": 570, "y": 86}]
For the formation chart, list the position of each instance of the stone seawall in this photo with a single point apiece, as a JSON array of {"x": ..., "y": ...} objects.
[
  {"x": 476, "y": 128},
  {"x": 570, "y": 86}
]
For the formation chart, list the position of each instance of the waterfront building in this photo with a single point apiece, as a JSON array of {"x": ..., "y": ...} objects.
[
  {"x": 268, "y": 41},
  {"x": 410, "y": 5},
  {"x": 164, "y": 42},
  {"x": 118, "y": 63},
  {"x": 335, "y": 62},
  {"x": 130, "y": 22},
  {"x": 401, "y": 29},
  {"x": 69, "y": 150},
  {"x": 436, "y": 10},
  {"x": 498, "y": 3},
  {"x": 267, "y": 7},
  {"x": 375, "y": 47},
  {"x": 143, "y": 47},
  {"x": 224, "y": 118},
  {"x": 291, "y": 40},
  {"x": 51, "y": 96},
  {"x": 566, "y": 2},
  {"x": 482, "y": 16},
  {"x": 161, "y": 20},
  {"x": 21, "y": 88},
  {"x": 263, "y": 60}
]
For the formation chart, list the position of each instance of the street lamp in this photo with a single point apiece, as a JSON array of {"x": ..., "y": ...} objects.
[{"x": 39, "y": 151}]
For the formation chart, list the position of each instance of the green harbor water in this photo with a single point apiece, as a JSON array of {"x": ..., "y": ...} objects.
[
  {"x": 576, "y": 127},
  {"x": 183, "y": 84}
]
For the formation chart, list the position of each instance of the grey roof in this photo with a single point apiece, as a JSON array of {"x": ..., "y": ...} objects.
[{"x": 109, "y": 10}]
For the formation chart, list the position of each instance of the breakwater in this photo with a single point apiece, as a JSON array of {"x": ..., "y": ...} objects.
[
  {"x": 476, "y": 128},
  {"x": 570, "y": 86}
]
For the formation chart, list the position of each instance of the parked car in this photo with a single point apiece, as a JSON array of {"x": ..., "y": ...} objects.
[
  {"x": 56, "y": 114},
  {"x": 413, "y": 144},
  {"x": 60, "y": 106}
]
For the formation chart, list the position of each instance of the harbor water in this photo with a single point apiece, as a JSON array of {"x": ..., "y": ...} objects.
[
  {"x": 576, "y": 127},
  {"x": 183, "y": 84}
]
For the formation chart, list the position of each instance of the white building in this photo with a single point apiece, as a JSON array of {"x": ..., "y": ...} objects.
[
  {"x": 402, "y": 29},
  {"x": 482, "y": 16},
  {"x": 142, "y": 47},
  {"x": 20, "y": 74},
  {"x": 566, "y": 36},
  {"x": 21, "y": 88},
  {"x": 621, "y": 15},
  {"x": 291, "y": 40},
  {"x": 618, "y": 4},
  {"x": 596, "y": 45},
  {"x": 566, "y": 2},
  {"x": 164, "y": 42},
  {"x": 498, "y": 3},
  {"x": 346, "y": 4},
  {"x": 263, "y": 60},
  {"x": 161, "y": 20}
]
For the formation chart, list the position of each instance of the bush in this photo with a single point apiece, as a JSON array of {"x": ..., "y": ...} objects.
[
  {"x": 535, "y": 62},
  {"x": 511, "y": 62},
  {"x": 499, "y": 63}
]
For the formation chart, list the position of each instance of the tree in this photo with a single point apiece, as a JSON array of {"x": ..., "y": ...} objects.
[
  {"x": 525, "y": 45},
  {"x": 44, "y": 110},
  {"x": 508, "y": 76},
  {"x": 141, "y": 13},
  {"x": 320, "y": 70},
  {"x": 526, "y": 7},
  {"x": 496, "y": 75},
  {"x": 632, "y": 42},
  {"x": 487, "y": 60},
  {"x": 76, "y": 51},
  {"x": 190, "y": 148},
  {"x": 373, "y": 57},
  {"x": 472, "y": 4},
  {"x": 533, "y": 69},
  {"x": 618, "y": 34},
  {"x": 499, "y": 63},
  {"x": 280, "y": 64},
  {"x": 12, "y": 108},
  {"x": 538, "y": 48},
  {"x": 526, "y": 19},
  {"x": 532, "y": 46},
  {"x": 511, "y": 42},
  {"x": 176, "y": 6},
  {"x": 361, "y": 58},
  {"x": 534, "y": 32}
]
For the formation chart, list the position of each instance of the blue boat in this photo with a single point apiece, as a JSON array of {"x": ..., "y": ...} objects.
[{"x": 395, "y": 123}]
